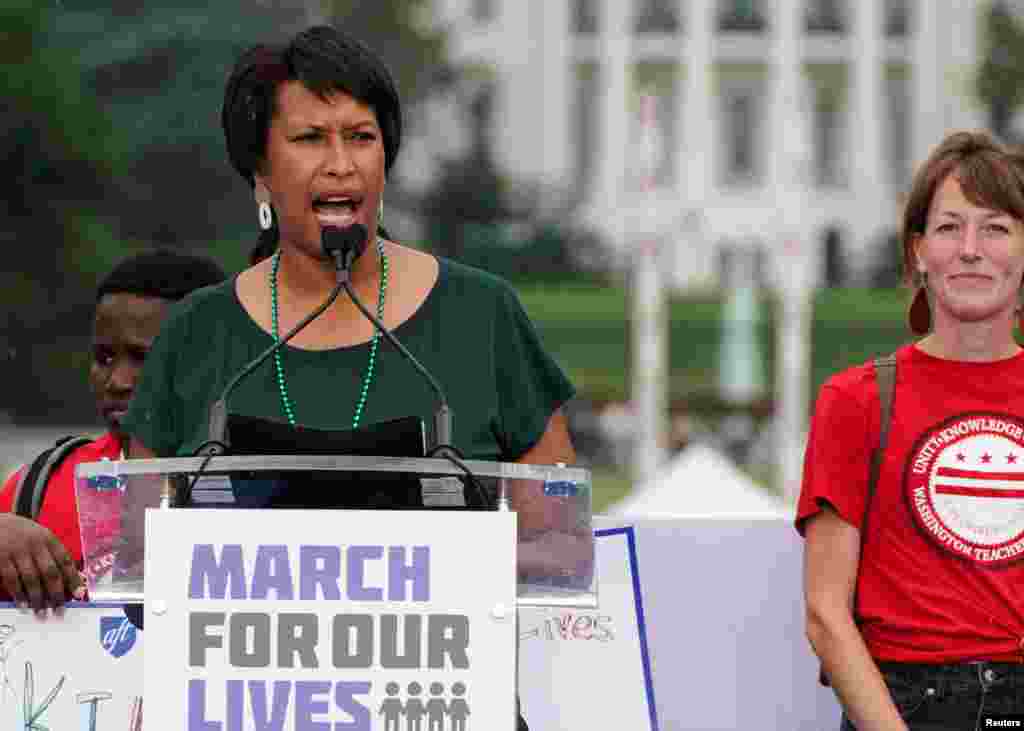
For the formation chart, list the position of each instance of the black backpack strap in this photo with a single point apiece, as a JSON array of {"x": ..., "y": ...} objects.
[{"x": 31, "y": 488}]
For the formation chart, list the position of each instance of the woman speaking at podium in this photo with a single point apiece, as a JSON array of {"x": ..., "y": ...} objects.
[{"x": 314, "y": 127}]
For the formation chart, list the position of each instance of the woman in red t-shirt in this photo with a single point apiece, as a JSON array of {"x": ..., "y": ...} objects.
[{"x": 914, "y": 591}]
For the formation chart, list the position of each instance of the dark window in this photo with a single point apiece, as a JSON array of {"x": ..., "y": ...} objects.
[
  {"x": 657, "y": 16},
  {"x": 588, "y": 88},
  {"x": 584, "y": 16},
  {"x": 897, "y": 17},
  {"x": 740, "y": 16},
  {"x": 825, "y": 16},
  {"x": 897, "y": 87},
  {"x": 827, "y": 149},
  {"x": 741, "y": 122},
  {"x": 484, "y": 11}
]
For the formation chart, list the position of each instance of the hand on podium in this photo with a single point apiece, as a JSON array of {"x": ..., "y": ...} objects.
[
  {"x": 556, "y": 555},
  {"x": 35, "y": 569},
  {"x": 553, "y": 544}
]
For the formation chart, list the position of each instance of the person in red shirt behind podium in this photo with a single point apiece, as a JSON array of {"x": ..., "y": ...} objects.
[
  {"x": 915, "y": 590},
  {"x": 40, "y": 558}
]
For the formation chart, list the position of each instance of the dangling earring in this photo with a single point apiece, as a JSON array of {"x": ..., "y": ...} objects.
[
  {"x": 380, "y": 213},
  {"x": 262, "y": 196}
]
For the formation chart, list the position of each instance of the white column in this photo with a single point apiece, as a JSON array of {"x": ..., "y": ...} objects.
[
  {"x": 788, "y": 100},
  {"x": 793, "y": 253},
  {"x": 518, "y": 117},
  {"x": 867, "y": 115},
  {"x": 614, "y": 29},
  {"x": 532, "y": 123},
  {"x": 964, "y": 109},
  {"x": 928, "y": 123},
  {"x": 553, "y": 71},
  {"x": 695, "y": 168}
]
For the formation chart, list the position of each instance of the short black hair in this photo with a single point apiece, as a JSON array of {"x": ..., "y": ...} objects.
[
  {"x": 325, "y": 60},
  {"x": 163, "y": 273}
]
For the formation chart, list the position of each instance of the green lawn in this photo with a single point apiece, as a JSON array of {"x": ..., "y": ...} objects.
[
  {"x": 585, "y": 327},
  {"x": 608, "y": 487}
]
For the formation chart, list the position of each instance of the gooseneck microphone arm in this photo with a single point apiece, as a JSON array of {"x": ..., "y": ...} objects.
[
  {"x": 217, "y": 441},
  {"x": 443, "y": 415},
  {"x": 337, "y": 244}
]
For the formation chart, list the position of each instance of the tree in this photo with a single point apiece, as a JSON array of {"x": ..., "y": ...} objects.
[
  {"x": 398, "y": 31},
  {"x": 1000, "y": 80},
  {"x": 60, "y": 158},
  {"x": 159, "y": 71}
]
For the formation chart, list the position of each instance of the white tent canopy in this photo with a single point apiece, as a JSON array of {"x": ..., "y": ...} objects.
[{"x": 700, "y": 482}]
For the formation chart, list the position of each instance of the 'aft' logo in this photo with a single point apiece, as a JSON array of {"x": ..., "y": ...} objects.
[{"x": 117, "y": 635}]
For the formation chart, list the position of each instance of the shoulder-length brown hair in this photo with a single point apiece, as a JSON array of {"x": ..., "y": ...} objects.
[{"x": 990, "y": 174}]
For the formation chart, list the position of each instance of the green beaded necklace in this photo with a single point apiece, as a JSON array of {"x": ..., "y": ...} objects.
[{"x": 282, "y": 386}]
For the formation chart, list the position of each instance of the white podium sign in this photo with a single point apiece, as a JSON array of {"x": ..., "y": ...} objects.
[{"x": 359, "y": 620}]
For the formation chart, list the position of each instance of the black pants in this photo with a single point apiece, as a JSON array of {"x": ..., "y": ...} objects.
[{"x": 941, "y": 697}]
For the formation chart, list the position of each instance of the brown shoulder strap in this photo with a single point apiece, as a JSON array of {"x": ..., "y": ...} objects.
[{"x": 885, "y": 378}]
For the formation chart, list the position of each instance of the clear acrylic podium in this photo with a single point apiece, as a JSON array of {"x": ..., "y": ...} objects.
[{"x": 554, "y": 548}]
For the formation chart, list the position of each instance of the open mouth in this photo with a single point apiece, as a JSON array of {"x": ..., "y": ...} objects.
[{"x": 336, "y": 210}]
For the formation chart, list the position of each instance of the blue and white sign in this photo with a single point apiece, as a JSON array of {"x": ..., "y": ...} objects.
[
  {"x": 583, "y": 669},
  {"x": 78, "y": 672}
]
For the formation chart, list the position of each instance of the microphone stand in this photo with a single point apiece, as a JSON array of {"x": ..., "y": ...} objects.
[
  {"x": 442, "y": 446},
  {"x": 218, "y": 442}
]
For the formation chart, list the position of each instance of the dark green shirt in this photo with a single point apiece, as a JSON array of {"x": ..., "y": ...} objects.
[{"x": 471, "y": 333}]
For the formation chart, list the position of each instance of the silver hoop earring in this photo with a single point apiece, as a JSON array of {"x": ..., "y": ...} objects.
[{"x": 266, "y": 216}]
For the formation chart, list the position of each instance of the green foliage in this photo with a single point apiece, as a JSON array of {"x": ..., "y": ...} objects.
[
  {"x": 60, "y": 155},
  {"x": 158, "y": 71},
  {"x": 398, "y": 31},
  {"x": 1000, "y": 80}
]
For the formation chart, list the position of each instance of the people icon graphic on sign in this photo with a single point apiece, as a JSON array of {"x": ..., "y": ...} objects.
[
  {"x": 437, "y": 709},
  {"x": 391, "y": 708},
  {"x": 414, "y": 708},
  {"x": 458, "y": 709}
]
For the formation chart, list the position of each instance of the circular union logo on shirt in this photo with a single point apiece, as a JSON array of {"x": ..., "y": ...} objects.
[{"x": 965, "y": 486}]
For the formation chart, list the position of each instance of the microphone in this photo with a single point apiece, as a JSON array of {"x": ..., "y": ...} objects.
[
  {"x": 344, "y": 245},
  {"x": 347, "y": 244},
  {"x": 340, "y": 244}
]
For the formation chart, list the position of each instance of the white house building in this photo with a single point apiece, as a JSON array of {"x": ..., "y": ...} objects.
[{"x": 869, "y": 86}]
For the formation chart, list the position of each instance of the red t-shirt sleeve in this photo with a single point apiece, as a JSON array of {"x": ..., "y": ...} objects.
[
  {"x": 838, "y": 452},
  {"x": 7, "y": 492}
]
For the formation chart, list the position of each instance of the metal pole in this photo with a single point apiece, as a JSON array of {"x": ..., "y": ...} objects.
[{"x": 649, "y": 394}]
